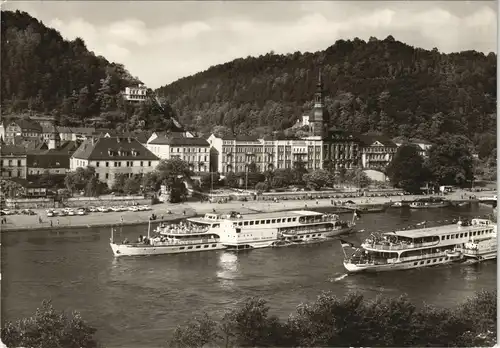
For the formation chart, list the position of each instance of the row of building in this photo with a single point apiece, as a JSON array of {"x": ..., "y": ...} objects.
[
  {"x": 30, "y": 148},
  {"x": 140, "y": 153}
]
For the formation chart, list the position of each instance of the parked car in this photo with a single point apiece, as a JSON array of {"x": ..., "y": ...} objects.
[{"x": 27, "y": 212}]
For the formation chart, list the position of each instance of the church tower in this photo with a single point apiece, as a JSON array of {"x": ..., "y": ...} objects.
[
  {"x": 54, "y": 140},
  {"x": 316, "y": 122}
]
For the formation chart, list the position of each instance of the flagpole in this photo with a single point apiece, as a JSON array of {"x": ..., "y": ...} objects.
[{"x": 345, "y": 255}]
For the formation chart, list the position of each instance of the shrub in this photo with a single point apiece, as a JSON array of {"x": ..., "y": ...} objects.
[{"x": 49, "y": 328}]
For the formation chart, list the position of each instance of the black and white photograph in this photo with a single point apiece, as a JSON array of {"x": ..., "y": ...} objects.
[{"x": 223, "y": 174}]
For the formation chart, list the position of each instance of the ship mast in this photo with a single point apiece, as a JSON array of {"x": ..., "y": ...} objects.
[{"x": 149, "y": 227}]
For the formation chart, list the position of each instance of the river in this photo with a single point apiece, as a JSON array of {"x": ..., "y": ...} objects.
[{"x": 137, "y": 302}]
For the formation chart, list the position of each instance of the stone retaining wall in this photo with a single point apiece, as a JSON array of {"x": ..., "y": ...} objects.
[
  {"x": 107, "y": 201},
  {"x": 29, "y": 203}
]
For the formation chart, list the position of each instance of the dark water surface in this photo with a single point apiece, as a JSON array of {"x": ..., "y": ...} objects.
[{"x": 137, "y": 302}]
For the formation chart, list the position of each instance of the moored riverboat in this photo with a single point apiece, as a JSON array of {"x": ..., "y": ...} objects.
[
  {"x": 170, "y": 239},
  {"x": 432, "y": 202},
  {"x": 370, "y": 207},
  {"x": 416, "y": 248},
  {"x": 264, "y": 230}
]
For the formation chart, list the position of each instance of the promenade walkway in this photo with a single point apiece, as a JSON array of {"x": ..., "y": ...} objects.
[{"x": 178, "y": 211}]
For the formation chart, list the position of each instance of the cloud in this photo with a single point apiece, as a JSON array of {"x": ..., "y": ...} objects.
[{"x": 161, "y": 42}]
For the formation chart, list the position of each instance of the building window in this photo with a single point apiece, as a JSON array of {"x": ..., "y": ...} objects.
[
  {"x": 142, "y": 163},
  {"x": 107, "y": 176},
  {"x": 116, "y": 164},
  {"x": 149, "y": 164},
  {"x": 107, "y": 164},
  {"x": 18, "y": 163},
  {"x": 97, "y": 164}
]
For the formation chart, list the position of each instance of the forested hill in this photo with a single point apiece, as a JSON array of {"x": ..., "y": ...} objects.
[
  {"x": 380, "y": 85},
  {"x": 44, "y": 74}
]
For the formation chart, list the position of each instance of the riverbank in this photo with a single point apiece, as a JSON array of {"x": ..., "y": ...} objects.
[{"x": 189, "y": 209}]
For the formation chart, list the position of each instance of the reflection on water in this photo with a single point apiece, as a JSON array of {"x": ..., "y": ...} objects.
[
  {"x": 137, "y": 302},
  {"x": 228, "y": 269}
]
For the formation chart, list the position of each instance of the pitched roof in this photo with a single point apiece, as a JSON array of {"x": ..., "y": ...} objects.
[
  {"x": 48, "y": 159},
  {"x": 143, "y": 136},
  {"x": 240, "y": 137},
  {"x": 178, "y": 141},
  {"x": 27, "y": 124},
  {"x": 368, "y": 140},
  {"x": 7, "y": 150},
  {"x": 120, "y": 148},
  {"x": 48, "y": 128},
  {"x": 63, "y": 129}
]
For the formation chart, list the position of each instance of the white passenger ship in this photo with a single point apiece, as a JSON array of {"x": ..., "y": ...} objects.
[
  {"x": 417, "y": 248},
  {"x": 263, "y": 230},
  {"x": 171, "y": 239}
]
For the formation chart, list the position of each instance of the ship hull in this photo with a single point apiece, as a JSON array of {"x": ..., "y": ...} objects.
[
  {"x": 397, "y": 266},
  {"x": 120, "y": 250},
  {"x": 250, "y": 245},
  {"x": 430, "y": 206}
]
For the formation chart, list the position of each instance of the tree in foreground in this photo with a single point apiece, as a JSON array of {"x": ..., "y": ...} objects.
[
  {"x": 331, "y": 321},
  {"x": 50, "y": 328},
  {"x": 406, "y": 170}
]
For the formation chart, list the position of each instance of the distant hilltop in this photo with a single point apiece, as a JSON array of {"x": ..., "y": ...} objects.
[{"x": 381, "y": 86}]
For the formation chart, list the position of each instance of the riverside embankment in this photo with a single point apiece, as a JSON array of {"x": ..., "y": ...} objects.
[{"x": 169, "y": 212}]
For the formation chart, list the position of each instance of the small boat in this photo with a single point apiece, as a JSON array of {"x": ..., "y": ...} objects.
[
  {"x": 455, "y": 253},
  {"x": 431, "y": 202},
  {"x": 370, "y": 207}
]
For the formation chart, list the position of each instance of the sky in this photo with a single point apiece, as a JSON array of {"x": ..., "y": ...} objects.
[{"x": 160, "y": 42}]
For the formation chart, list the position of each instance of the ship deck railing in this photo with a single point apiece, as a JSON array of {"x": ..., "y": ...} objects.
[
  {"x": 183, "y": 232},
  {"x": 476, "y": 252},
  {"x": 400, "y": 246},
  {"x": 382, "y": 261},
  {"x": 170, "y": 243}
]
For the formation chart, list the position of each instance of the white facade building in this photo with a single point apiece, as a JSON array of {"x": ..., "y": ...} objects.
[{"x": 135, "y": 94}]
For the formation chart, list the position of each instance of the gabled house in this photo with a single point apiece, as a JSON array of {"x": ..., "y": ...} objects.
[
  {"x": 13, "y": 161},
  {"x": 340, "y": 150},
  {"x": 114, "y": 155},
  {"x": 376, "y": 151},
  {"x": 53, "y": 161},
  {"x": 23, "y": 128},
  {"x": 195, "y": 151}
]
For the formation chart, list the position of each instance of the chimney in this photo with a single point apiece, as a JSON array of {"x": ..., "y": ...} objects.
[
  {"x": 117, "y": 139},
  {"x": 129, "y": 139}
]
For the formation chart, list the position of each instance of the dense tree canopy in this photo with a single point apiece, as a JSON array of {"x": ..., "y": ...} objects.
[
  {"x": 352, "y": 321},
  {"x": 407, "y": 170},
  {"x": 43, "y": 73},
  {"x": 50, "y": 328},
  {"x": 450, "y": 160},
  {"x": 380, "y": 85}
]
